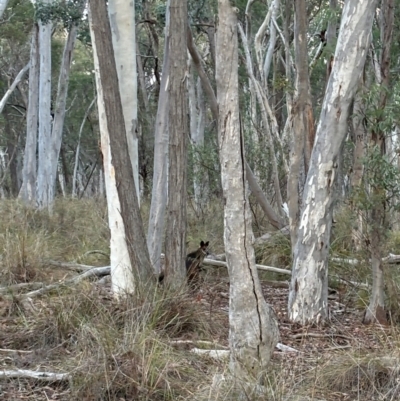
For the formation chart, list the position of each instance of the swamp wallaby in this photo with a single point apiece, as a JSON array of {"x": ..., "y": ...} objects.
[{"x": 193, "y": 263}]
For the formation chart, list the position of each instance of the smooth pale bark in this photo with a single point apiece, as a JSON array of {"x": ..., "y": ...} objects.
[
  {"x": 122, "y": 279},
  {"x": 197, "y": 126},
  {"x": 122, "y": 21},
  {"x": 272, "y": 40},
  {"x": 74, "y": 175},
  {"x": 3, "y": 6},
  {"x": 253, "y": 331},
  {"x": 159, "y": 195},
  {"x": 60, "y": 105},
  {"x": 11, "y": 89},
  {"x": 175, "y": 241},
  {"x": 303, "y": 121},
  {"x": 308, "y": 296},
  {"x": 121, "y": 168},
  {"x": 379, "y": 226},
  {"x": 28, "y": 188},
  {"x": 45, "y": 181}
]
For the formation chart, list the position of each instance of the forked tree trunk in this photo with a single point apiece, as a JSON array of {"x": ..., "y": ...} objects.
[
  {"x": 28, "y": 189},
  {"x": 122, "y": 21},
  {"x": 112, "y": 119},
  {"x": 45, "y": 181},
  {"x": 253, "y": 331},
  {"x": 160, "y": 173},
  {"x": 175, "y": 242},
  {"x": 308, "y": 296}
]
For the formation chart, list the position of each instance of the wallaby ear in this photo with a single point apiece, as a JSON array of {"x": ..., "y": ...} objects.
[
  {"x": 202, "y": 243},
  {"x": 206, "y": 244}
]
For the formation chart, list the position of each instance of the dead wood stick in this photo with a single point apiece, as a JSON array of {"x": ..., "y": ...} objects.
[
  {"x": 96, "y": 271},
  {"x": 30, "y": 374},
  {"x": 318, "y": 335},
  {"x": 66, "y": 265},
  {"x": 14, "y": 351},
  {"x": 16, "y": 287},
  {"x": 219, "y": 263}
]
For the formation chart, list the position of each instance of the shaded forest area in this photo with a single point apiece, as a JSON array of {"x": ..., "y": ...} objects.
[{"x": 132, "y": 132}]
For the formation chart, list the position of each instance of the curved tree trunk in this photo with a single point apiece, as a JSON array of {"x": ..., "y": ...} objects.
[
  {"x": 308, "y": 297},
  {"x": 253, "y": 331}
]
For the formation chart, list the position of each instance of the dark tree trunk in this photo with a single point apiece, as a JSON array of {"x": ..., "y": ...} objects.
[{"x": 175, "y": 243}]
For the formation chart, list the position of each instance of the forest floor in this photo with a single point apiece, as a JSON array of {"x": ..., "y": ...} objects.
[{"x": 343, "y": 360}]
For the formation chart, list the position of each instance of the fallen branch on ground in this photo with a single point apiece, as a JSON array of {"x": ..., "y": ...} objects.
[
  {"x": 318, "y": 335},
  {"x": 70, "y": 266},
  {"x": 30, "y": 374},
  {"x": 219, "y": 263},
  {"x": 15, "y": 287},
  {"x": 94, "y": 272}
]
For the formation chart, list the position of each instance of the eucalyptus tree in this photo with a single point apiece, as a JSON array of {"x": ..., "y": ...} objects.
[
  {"x": 253, "y": 331},
  {"x": 116, "y": 154},
  {"x": 45, "y": 181},
  {"x": 175, "y": 242},
  {"x": 308, "y": 297},
  {"x": 379, "y": 220},
  {"x": 28, "y": 187},
  {"x": 159, "y": 193}
]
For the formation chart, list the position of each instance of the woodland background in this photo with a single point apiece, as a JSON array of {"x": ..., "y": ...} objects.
[{"x": 134, "y": 347}]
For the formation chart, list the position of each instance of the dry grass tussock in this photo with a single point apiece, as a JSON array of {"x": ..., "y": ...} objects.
[{"x": 138, "y": 348}]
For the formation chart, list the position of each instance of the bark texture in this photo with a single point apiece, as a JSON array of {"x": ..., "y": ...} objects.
[
  {"x": 132, "y": 221},
  {"x": 253, "y": 331},
  {"x": 45, "y": 182},
  {"x": 309, "y": 284},
  {"x": 175, "y": 243},
  {"x": 28, "y": 188},
  {"x": 376, "y": 308},
  {"x": 160, "y": 173},
  {"x": 122, "y": 20},
  {"x": 302, "y": 119}
]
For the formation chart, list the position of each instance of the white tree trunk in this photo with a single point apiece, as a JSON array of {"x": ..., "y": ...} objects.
[
  {"x": 45, "y": 182},
  {"x": 308, "y": 297},
  {"x": 28, "y": 188},
  {"x": 60, "y": 104},
  {"x": 160, "y": 173},
  {"x": 122, "y": 21},
  {"x": 122, "y": 279},
  {"x": 12, "y": 87},
  {"x": 253, "y": 331},
  {"x": 197, "y": 126}
]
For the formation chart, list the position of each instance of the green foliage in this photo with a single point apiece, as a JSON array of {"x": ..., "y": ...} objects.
[{"x": 68, "y": 12}]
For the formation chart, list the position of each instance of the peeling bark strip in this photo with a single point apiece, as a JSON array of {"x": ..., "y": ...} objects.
[
  {"x": 253, "y": 331},
  {"x": 308, "y": 295}
]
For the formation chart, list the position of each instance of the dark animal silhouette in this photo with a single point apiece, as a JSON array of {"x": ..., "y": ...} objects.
[{"x": 193, "y": 263}]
